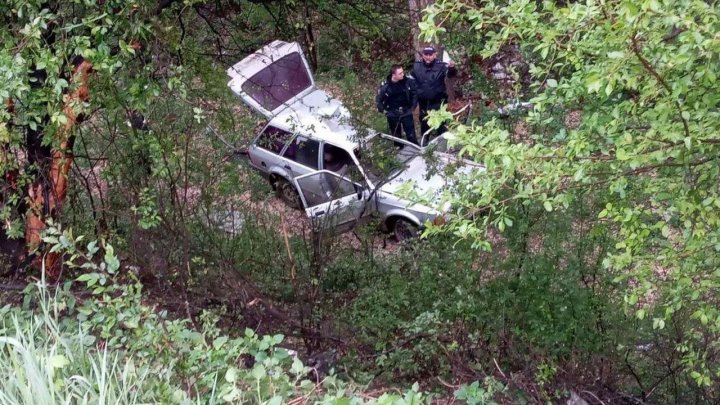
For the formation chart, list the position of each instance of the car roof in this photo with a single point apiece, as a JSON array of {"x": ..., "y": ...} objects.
[{"x": 319, "y": 116}]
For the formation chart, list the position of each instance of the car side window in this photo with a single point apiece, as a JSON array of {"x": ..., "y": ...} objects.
[
  {"x": 338, "y": 160},
  {"x": 304, "y": 151},
  {"x": 273, "y": 139}
]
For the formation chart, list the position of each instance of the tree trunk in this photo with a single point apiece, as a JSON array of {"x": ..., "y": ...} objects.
[
  {"x": 450, "y": 83},
  {"x": 416, "y": 7},
  {"x": 310, "y": 42},
  {"x": 47, "y": 193}
]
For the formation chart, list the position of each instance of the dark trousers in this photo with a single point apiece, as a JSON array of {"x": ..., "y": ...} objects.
[
  {"x": 398, "y": 124},
  {"x": 425, "y": 106}
]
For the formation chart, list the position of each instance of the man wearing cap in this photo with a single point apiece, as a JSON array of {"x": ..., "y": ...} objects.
[
  {"x": 397, "y": 98},
  {"x": 429, "y": 75}
]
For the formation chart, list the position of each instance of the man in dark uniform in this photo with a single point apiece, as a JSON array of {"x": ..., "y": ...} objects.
[
  {"x": 429, "y": 75},
  {"x": 397, "y": 98}
]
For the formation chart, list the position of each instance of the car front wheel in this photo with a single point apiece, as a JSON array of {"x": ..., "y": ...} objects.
[
  {"x": 287, "y": 193},
  {"x": 405, "y": 230}
]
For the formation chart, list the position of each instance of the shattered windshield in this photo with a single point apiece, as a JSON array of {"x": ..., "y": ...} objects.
[{"x": 384, "y": 158}]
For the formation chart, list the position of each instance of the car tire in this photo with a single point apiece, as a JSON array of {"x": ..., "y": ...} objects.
[
  {"x": 287, "y": 192},
  {"x": 404, "y": 230}
]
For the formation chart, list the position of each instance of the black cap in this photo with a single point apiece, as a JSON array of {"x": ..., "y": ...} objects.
[{"x": 428, "y": 50}]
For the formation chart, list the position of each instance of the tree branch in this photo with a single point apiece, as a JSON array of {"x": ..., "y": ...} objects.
[{"x": 649, "y": 68}]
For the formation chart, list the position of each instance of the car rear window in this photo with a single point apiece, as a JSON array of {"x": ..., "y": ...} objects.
[
  {"x": 304, "y": 151},
  {"x": 273, "y": 139},
  {"x": 279, "y": 82}
]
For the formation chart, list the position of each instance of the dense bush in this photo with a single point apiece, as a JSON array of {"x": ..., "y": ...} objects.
[{"x": 109, "y": 348}]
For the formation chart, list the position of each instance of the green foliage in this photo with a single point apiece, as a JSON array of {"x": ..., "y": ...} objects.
[
  {"x": 354, "y": 37},
  {"x": 38, "y": 42},
  {"x": 434, "y": 309},
  {"x": 642, "y": 78},
  {"x": 45, "y": 361},
  {"x": 143, "y": 357},
  {"x": 474, "y": 394},
  {"x": 605, "y": 263}
]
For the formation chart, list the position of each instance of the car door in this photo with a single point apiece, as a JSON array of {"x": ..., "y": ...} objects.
[
  {"x": 264, "y": 153},
  {"x": 332, "y": 201},
  {"x": 301, "y": 156},
  {"x": 272, "y": 78}
]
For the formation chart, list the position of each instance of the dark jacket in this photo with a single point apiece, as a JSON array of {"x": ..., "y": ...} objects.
[
  {"x": 430, "y": 80},
  {"x": 397, "y": 99}
]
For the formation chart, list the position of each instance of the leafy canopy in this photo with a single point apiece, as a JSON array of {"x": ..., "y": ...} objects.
[{"x": 642, "y": 76}]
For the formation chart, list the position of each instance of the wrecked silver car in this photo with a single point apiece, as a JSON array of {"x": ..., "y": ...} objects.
[{"x": 317, "y": 160}]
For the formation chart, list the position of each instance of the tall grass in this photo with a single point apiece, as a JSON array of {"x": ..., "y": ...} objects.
[
  {"x": 46, "y": 361},
  {"x": 47, "y": 357}
]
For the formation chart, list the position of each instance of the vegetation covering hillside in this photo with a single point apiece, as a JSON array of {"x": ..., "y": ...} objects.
[{"x": 143, "y": 261}]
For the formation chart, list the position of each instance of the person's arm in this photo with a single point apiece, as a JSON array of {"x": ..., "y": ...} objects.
[
  {"x": 413, "y": 95},
  {"x": 380, "y": 98},
  {"x": 417, "y": 75}
]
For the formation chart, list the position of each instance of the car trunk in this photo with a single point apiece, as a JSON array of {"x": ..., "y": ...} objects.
[{"x": 272, "y": 78}]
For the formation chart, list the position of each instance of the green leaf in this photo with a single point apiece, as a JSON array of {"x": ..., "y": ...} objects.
[
  {"x": 593, "y": 83},
  {"x": 259, "y": 372},
  {"x": 276, "y": 400},
  {"x": 231, "y": 375},
  {"x": 219, "y": 342},
  {"x": 110, "y": 259},
  {"x": 92, "y": 248},
  {"x": 297, "y": 367},
  {"x": 609, "y": 88},
  {"x": 58, "y": 361},
  {"x": 665, "y": 231}
]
